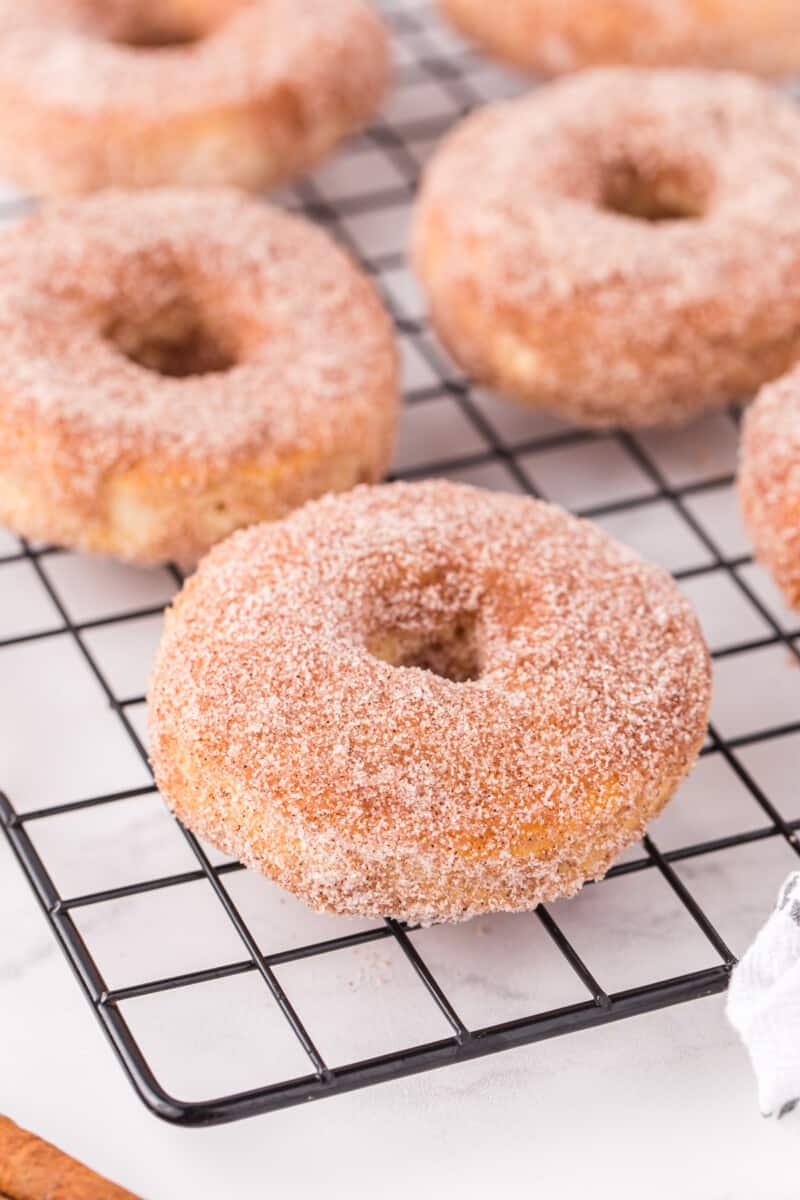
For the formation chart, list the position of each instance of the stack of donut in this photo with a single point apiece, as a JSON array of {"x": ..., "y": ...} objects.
[{"x": 419, "y": 700}]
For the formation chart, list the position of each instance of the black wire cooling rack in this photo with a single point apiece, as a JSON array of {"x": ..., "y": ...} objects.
[{"x": 438, "y": 79}]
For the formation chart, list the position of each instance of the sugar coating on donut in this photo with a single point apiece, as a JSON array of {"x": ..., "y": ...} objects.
[
  {"x": 621, "y": 246},
  {"x": 262, "y": 44},
  {"x": 261, "y": 94},
  {"x": 555, "y": 36},
  {"x": 295, "y": 361},
  {"x": 426, "y": 701},
  {"x": 769, "y": 480},
  {"x": 68, "y": 270}
]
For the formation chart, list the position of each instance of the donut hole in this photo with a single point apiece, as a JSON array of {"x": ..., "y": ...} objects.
[
  {"x": 451, "y": 651},
  {"x": 155, "y": 38},
  {"x": 151, "y": 24},
  {"x": 179, "y": 342},
  {"x": 144, "y": 26},
  {"x": 665, "y": 196}
]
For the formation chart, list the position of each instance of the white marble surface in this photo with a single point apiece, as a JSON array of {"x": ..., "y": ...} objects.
[{"x": 660, "y": 1105}]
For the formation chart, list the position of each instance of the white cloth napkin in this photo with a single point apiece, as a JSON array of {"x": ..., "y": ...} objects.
[{"x": 764, "y": 1004}]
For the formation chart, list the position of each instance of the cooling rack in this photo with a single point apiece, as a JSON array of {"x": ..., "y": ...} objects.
[{"x": 180, "y": 952}]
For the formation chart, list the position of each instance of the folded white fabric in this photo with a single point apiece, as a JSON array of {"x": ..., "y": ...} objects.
[{"x": 764, "y": 1003}]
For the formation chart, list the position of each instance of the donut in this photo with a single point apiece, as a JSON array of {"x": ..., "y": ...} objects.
[
  {"x": 769, "y": 480},
  {"x": 426, "y": 701},
  {"x": 551, "y": 37},
  {"x": 621, "y": 247},
  {"x": 176, "y": 363},
  {"x": 140, "y": 93}
]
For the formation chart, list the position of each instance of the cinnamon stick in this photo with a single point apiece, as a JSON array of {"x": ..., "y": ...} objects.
[{"x": 31, "y": 1169}]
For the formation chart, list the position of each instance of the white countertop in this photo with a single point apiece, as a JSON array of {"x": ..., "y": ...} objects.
[{"x": 659, "y": 1105}]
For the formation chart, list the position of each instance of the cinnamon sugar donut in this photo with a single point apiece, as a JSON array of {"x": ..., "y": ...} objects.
[
  {"x": 553, "y": 36},
  {"x": 174, "y": 364},
  {"x": 621, "y": 246},
  {"x": 769, "y": 480},
  {"x": 426, "y": 701},
  {"x": 136, "y": 93}
]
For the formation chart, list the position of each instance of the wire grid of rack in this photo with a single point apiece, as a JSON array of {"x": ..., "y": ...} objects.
[{"x": 450, "y": 428}]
